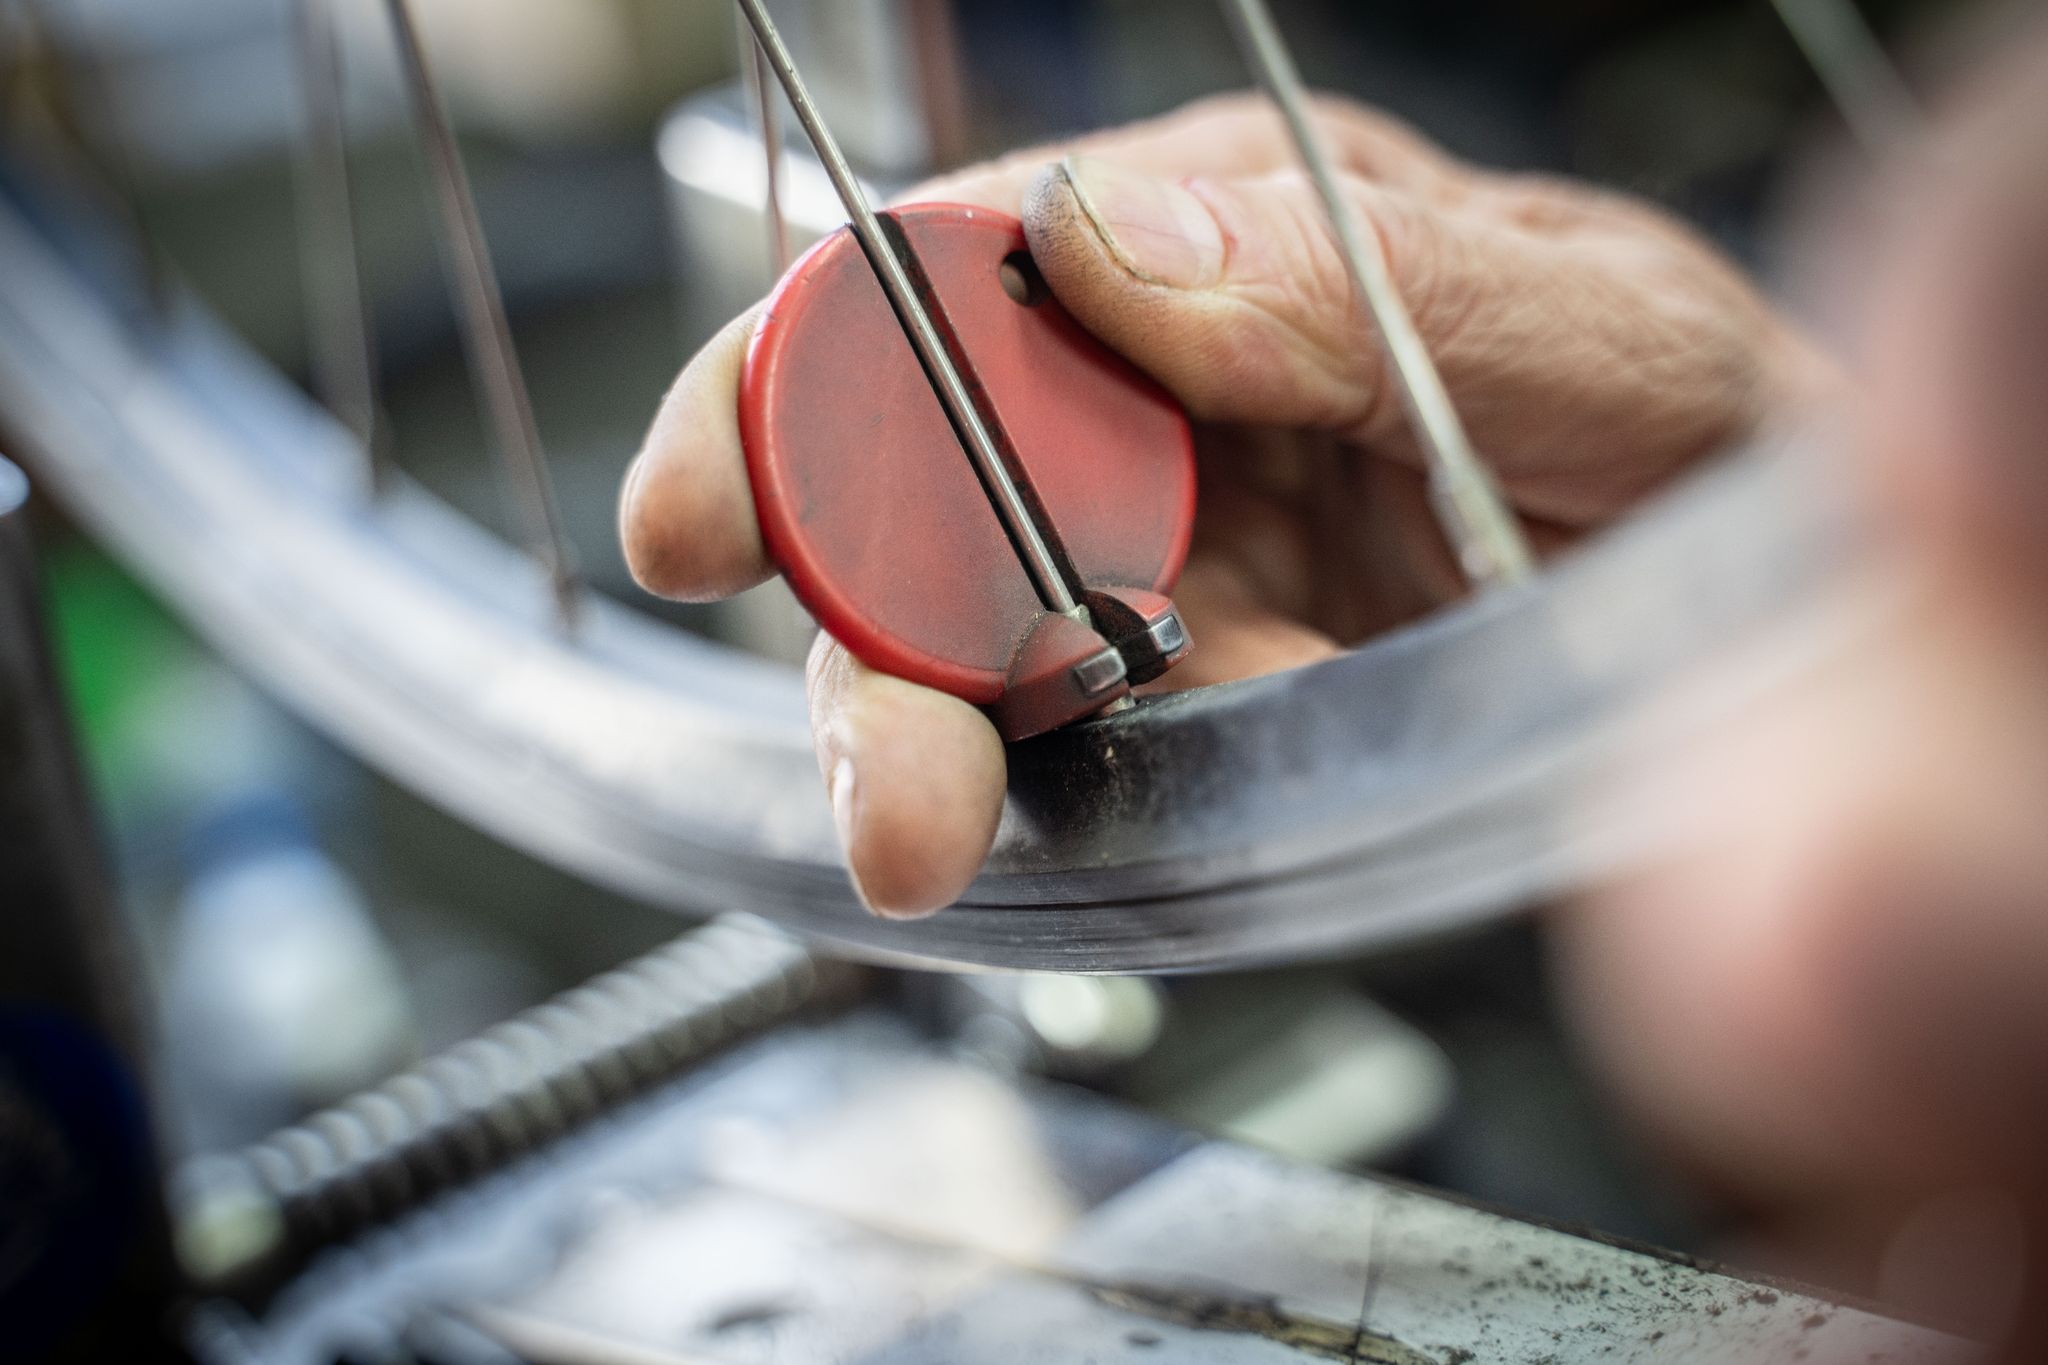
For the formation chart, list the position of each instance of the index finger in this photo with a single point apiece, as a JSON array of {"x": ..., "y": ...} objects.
[{"x": 686, "y": 511}]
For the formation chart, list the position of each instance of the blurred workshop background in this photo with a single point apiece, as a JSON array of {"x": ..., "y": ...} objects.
[{"x": 309, "y": 926}]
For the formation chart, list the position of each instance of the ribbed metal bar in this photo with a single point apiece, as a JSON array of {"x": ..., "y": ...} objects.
[
  {"x": 487, "y": 336},
  {"x": 252, "y": 1217},
  {"x": 1480, "y": 525}
]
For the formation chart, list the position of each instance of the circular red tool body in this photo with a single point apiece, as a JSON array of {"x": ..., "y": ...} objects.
[{"x": 874, "y": 512}]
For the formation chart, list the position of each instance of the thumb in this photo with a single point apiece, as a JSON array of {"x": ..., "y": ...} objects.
[
  {"x": 1592, "y": 349},
  {"x": 1229, "y": 292}
]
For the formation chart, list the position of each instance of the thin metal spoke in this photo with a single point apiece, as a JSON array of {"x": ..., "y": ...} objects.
[
  {"x": 941, "y": 90},
  {"x": 1482, "y": 529},
  {"x": 17, "y": 57},
  {"x": 88, "y": 118},
  {"x": 1861, "y": 80},
  {"x": 761, "y": 96},
  {"x": 344, "y": 358},
  {"x": 1033, "y": 545},
  {"x": 487, "y": 337}
]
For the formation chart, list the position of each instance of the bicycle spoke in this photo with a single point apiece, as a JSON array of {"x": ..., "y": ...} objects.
[
  {"x": 79, "y": 101},
  {"x": 1860, "y": 79},
  {"x": 1482, "y": 529},
  {"x": 343, "y": 349},
  {"x": 487, "y": 336},
  {"x": 760, "y": 81}
]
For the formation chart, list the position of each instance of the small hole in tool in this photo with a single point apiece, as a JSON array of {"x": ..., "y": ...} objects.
[{"x": 1021, "y": 280}]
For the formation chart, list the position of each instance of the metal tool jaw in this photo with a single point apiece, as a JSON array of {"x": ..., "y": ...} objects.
[{"x": 884, "y": 529}]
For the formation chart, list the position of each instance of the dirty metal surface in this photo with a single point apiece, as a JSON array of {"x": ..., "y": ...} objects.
[
  {"x": 845, "y": 1194},
  {"x": 1243, "y": 1258}
]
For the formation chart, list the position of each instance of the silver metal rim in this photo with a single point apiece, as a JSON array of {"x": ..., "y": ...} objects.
[{"x": 1420, "y": 783}]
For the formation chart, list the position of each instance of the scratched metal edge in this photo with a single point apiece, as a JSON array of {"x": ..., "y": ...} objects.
[
  {"x": 1418, "y": 785},
  {"x": 1685, "y": 1260}
]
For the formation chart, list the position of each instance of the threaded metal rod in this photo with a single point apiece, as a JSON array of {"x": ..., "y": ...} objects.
[{"x": 252, "y": 1217}]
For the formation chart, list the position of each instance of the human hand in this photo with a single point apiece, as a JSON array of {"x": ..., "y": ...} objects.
[
  {"x": 1593, "y": 346},
  {"x": 1829, "y": 1000}
]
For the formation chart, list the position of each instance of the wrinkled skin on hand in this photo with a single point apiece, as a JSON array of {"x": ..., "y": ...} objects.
[{"x": 1594, "y": 347}]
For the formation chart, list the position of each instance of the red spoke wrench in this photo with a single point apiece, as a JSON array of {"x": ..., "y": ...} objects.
[{"x": 895, "y": 539}]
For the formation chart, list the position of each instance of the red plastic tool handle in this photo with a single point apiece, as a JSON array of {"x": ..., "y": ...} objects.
[{"x": 875, "y": 515}]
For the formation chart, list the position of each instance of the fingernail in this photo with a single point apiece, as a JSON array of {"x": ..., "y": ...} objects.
[
  {"x": 631, "y": 487},
  {"x": 1157, "y": 229},
  {"x": 841, "y": 788}
]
